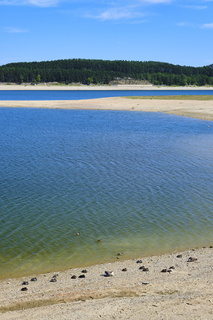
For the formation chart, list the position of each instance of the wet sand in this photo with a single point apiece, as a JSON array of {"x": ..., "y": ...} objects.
[
  {"x": 189, "y": 108},
  {"x": 139, "y": 289}
]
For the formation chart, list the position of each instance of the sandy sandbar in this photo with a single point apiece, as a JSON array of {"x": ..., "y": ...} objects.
[
  {"x": 189, "y": 108},
  {"x": 131, "y": 293},
  {"x": 192, "y": 108}
]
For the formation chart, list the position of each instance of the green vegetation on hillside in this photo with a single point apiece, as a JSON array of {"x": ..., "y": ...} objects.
[{"x": 87, "y": 71}]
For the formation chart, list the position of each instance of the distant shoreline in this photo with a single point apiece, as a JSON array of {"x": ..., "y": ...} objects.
[{"x": 95, "y": 87}]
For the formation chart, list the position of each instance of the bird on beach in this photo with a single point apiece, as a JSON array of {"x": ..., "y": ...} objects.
[{"x": 108, "y": 274}]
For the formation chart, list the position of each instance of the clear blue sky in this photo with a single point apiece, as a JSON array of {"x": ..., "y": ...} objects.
[{"x": 178, "y": 32}]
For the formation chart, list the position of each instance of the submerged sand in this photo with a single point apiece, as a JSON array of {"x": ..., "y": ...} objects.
[{"x": 131, "y": 293}]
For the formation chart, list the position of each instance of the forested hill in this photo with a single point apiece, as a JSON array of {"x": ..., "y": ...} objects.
[{"x": 104, "y": 71}]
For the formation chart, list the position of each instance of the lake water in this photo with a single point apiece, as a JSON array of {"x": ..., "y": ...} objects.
[
  {"x": 139, "y": 182},
  {"x": 90, "y": 94}
]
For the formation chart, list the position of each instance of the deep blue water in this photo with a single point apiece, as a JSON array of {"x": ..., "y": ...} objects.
[
  {"x": 140, "y": 182},
  {"x": 90, "y": 94}
]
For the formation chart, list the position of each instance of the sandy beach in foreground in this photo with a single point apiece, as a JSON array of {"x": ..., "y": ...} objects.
[{"x": 173, "y": 286}]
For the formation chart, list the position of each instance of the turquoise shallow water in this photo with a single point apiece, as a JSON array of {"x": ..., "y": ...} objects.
[{"x": 139, "y": 182}]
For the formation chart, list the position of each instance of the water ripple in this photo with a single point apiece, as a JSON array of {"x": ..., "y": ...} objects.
[{"x": 141, "y": 183}]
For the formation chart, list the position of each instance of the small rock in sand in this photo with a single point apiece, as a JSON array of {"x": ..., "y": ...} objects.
[
  {"x": 33, "y": 279},
  {"x": 84, "y": 271},
  {"x": 24, "y": 289}
]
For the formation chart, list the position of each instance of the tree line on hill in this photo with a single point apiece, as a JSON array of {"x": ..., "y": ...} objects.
[{"x": 88, "y": 71}]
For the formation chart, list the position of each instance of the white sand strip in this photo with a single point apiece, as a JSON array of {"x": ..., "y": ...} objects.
[{"x": 48, "y": 86}]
